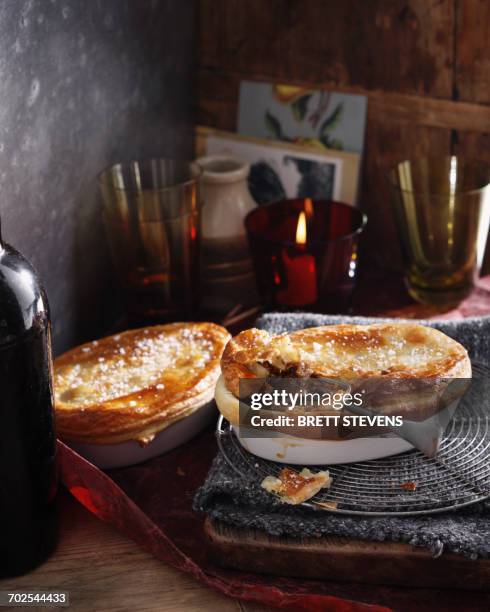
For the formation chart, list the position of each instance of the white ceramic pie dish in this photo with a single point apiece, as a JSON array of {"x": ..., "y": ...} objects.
[
  {"x": 302, "y": 451},
  {"x": 130, "y": 452},
  {"x": 305, "y": 451},
  {"x": 424, "y": 435}
]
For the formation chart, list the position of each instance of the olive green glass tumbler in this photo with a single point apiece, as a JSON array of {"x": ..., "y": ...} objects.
[
  {"x": 442, "y": 212},
  {"x": 152, "y": 216}
]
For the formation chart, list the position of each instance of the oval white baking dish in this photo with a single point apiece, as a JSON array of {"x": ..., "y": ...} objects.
[
  {"x": 129, "y": 453},
  {"x": 305, "y": 451},
  {"x": 302, "y": 451}
]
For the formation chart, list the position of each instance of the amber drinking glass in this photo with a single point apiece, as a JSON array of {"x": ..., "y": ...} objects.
[
  {"x": 152, "y": 216},
  {"x": 442, "y": 211},
  {"x": 305, "y": 253}
]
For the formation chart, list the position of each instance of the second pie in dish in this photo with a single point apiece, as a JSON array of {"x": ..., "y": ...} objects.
[
  {"x": 133, "y": 385},
  {"x": 385, "y": 351}
]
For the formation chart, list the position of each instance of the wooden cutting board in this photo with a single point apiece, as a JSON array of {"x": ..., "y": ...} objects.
[{"x": 342, "y": 559}]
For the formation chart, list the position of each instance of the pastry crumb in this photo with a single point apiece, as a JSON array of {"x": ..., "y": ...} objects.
[
  {"x": 296, "y": 488},
  {"x": 409, "y": 486}
]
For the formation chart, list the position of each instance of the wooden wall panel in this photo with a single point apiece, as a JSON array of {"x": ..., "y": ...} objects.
[
  {"x": 403, "y": 46},
  {"x": 473, "y": 144},
  {"x": 393, "y": 46},
  {"x": 472, "y": 74},
  {"x": 424, "y": 64},
  {"x": 218, "y": 98},
  {"x": 387, "y": 143}
]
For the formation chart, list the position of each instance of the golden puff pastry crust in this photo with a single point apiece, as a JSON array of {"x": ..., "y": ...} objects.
[
  {"x": 297, "y": 487},
  {"x": 132, "y": 385},
  {"x": 393, "y": 350}
]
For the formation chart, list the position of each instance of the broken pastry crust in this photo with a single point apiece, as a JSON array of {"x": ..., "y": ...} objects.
[
  {"x": 296, "y": 488},
  {"x": 132, "y": 385},
  {"x": 386, "y": 350}
]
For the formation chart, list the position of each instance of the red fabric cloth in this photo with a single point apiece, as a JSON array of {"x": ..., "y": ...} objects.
[
  {"x": 152, "y": 504},
  {"x": 477, "y": 304},
  {"x": 383, "y": 294}
]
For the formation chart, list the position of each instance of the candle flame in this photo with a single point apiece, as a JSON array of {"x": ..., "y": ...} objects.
[{"x": 301, "y": 229}]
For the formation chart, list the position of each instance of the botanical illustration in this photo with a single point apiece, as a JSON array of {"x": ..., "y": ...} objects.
[
  {"x": 305, "y": 106},
  {"x": 301, "y": 115}
]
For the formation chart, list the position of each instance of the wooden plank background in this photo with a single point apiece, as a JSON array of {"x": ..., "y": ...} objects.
[{"x": 424, "y": 65}]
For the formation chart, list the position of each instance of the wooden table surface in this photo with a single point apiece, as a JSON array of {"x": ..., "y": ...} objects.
[{"x": 103, "y": 571}]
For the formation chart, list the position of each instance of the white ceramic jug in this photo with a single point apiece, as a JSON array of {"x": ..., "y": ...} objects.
[{"x": 227, "y": 275}]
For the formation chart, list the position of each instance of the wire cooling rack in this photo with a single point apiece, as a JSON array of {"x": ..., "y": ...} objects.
[{"x": 406, "y": 484}]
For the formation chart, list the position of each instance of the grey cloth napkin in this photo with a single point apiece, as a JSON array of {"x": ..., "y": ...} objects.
[{"x": 241, "y": 502}]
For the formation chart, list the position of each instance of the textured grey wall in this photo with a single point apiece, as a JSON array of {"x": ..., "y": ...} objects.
[{"x": 84, "y": 84}]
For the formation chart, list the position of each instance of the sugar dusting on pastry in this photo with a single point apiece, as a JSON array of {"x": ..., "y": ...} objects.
[
  {"x": 119, "y": 372},
  {"x": 132, "y": 385},
  {"x": 405, "y": 349}
]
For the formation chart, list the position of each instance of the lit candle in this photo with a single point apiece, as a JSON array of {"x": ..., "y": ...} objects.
[{"x": 300, "y": 269}]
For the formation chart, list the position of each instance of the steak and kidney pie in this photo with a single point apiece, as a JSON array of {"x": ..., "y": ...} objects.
[{"x": 383, "y": 351}]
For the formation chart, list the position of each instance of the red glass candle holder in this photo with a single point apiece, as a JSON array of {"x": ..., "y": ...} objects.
[{"x": 305, "y": 253}]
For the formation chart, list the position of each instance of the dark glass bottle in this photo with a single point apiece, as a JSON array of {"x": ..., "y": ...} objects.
[{"x": 28, "y": 474}]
